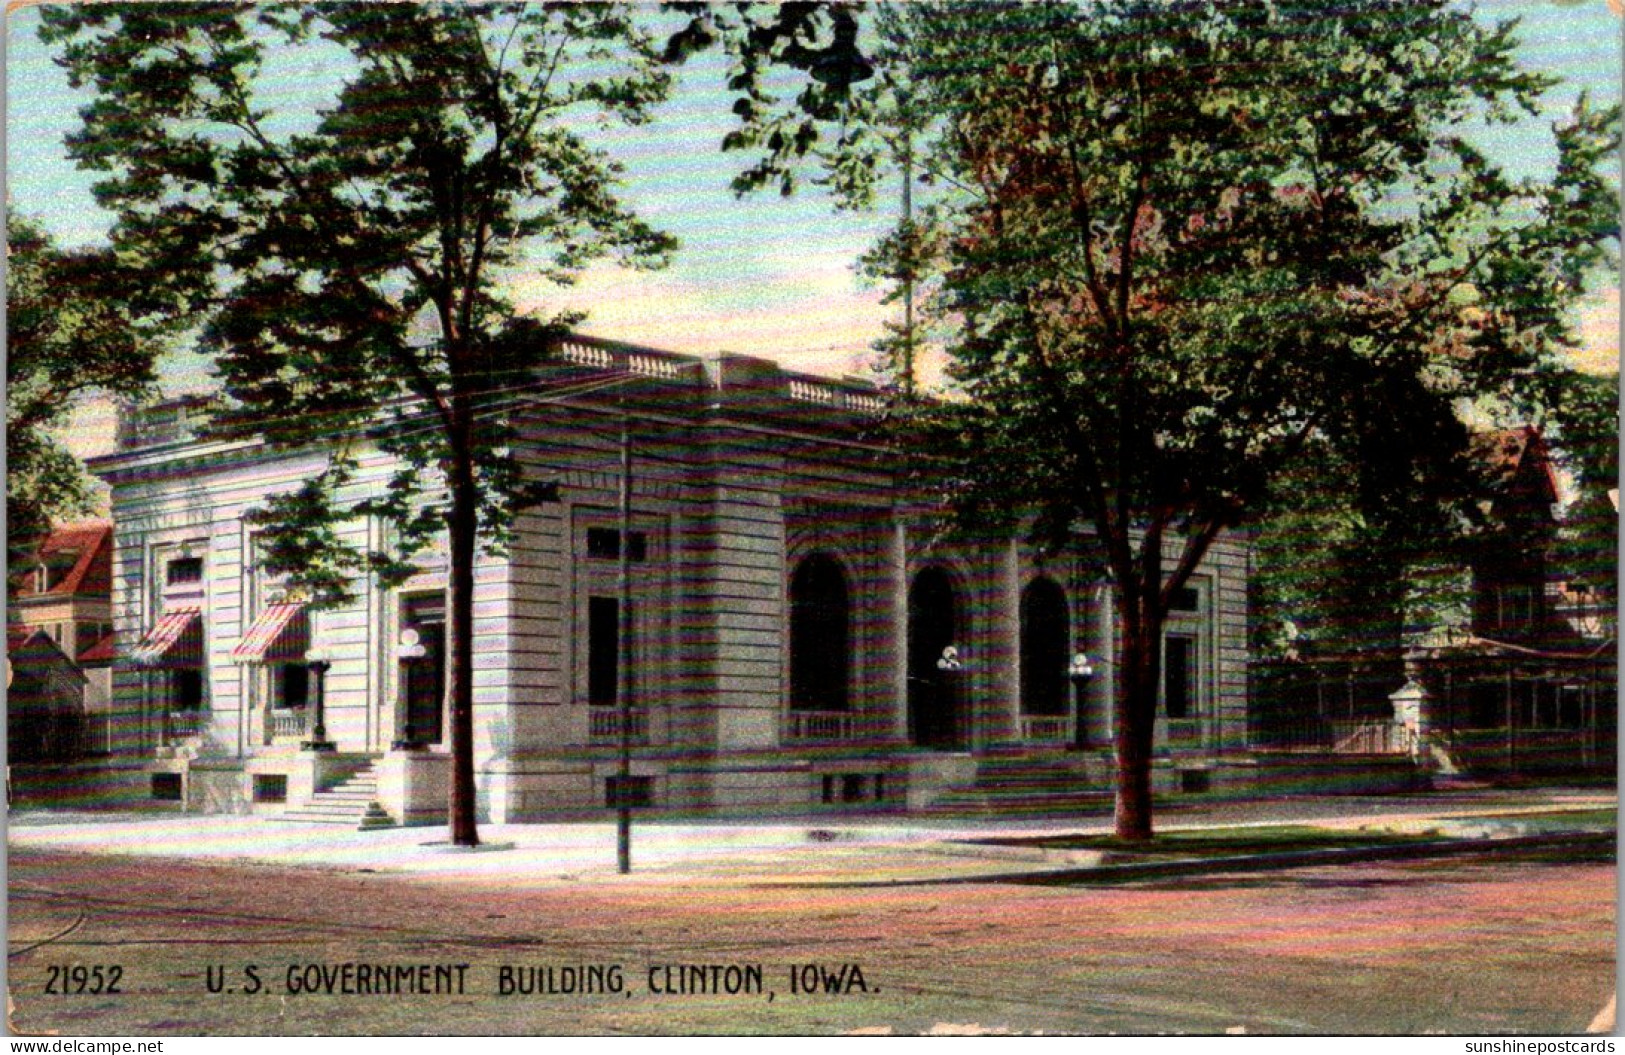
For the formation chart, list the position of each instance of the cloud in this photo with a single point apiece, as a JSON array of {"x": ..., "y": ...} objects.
[{"x": 1599, "y": 334}]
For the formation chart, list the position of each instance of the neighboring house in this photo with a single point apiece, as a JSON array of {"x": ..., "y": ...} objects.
[
  {"x": 1528, "y": 687},
  {"x": 45, "y": 699},
  {"x": 63, "y": 588},
  {"x": 791, "y": 607}
]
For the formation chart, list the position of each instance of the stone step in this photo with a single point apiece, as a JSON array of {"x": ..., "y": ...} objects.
[
  {"x": 959, "y": 803},
  {"x": 329, "y": 808},
  {"x": 375, "y": 818},
  {"x": 352, "y": 803}
]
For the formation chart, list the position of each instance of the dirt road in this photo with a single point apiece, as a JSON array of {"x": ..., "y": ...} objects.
[{"x": 1443, "y": 946}]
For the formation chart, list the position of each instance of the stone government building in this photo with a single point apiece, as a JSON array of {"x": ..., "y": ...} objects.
[{"x": 791, "y": 603}]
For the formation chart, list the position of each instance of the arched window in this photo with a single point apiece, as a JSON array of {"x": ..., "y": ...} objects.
[
  {"x": 1045, "y": 635},
  {"x": 934, "y": 693},
  {"x": 818, "y": 636}
]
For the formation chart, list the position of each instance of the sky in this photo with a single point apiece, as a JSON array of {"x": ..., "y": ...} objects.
[{"x": 762, "y": 275}]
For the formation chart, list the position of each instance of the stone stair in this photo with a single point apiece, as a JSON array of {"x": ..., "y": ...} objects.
[
  {"x": 1018, "y": 782},
  {"x": 352, "y": 803}
]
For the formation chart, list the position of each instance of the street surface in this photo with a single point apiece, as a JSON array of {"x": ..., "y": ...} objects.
[{"x": 1453, "y": 946}]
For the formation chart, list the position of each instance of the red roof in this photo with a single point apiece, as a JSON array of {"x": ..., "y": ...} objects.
[
  {"x": 1517, "y": 452},
  {"x": 91, "y": 545},
  {"x": 24, "y": 642},
  {"x": 101, "y": 652}
]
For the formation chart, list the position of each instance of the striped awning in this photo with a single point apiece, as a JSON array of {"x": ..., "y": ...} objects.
[
  {"x": 176, "y": 640},
  {"x": 279, "y": 634}
]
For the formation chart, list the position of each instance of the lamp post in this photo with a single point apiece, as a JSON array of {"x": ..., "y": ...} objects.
[
  {"x": 1078, "y": 672},
  {"x": 623, "y": 665},
  {"x": 949, "y": 667},
  {"x": 409, "y": 650},
  {"x": 319, "y": 662}
]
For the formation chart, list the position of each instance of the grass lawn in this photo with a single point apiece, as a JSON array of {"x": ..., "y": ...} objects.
[
  {"x": 1224, "y": 842},
  {"x": 1601, "y": 817}
]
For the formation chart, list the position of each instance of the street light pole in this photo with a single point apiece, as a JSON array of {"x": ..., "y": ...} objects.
[
  {"x": 623, "y": 807},
  {"x": 908, "y": 264}
]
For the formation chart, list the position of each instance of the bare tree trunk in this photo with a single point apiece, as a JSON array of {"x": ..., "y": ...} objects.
[
  {"x": 1141, "y": 665},
  {"x": 462, "y": 529},
  {"x": 1141, "y": 611}
]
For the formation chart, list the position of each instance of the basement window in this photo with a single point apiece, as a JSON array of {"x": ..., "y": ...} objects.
[
  {"x": 639, "y": 792},
  {"x": 270, "y": 787},
  {"x": 166, "y": 787}
]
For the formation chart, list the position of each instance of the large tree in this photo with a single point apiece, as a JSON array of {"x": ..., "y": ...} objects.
[
  {"x": 1188, "y": 244},
  {"x": 78, "y": 323},
  {"x": 1586, "y": 431},
  {"x": 431, "y": 152}
]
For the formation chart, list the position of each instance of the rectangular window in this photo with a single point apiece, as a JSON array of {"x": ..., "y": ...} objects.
[
  {"x": 166, "y": 787},
  {"x": 1185, "y": 599},
  {"x": 1178, "y": 663},
  {"x": 603, "y": 651},
  {"x": 605, "y": 544},
  {"x": 270, "y": 787},
  {"x": 186, "y": 689},
  {"x": 292, "y": 685},
  {"x": 183, "y": 571},
  {"x": 639, "y": 792}
]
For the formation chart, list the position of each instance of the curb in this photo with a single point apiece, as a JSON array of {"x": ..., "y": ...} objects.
[{"x": 1140, "y": 870}]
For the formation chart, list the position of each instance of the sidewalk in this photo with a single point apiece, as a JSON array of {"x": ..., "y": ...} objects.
[{"x": 819, "y": 849}]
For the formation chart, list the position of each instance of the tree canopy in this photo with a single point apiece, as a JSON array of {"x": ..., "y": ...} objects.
[
  {"x": 1187, "y": 245},
  {"x": 77, "y": 322},
  {"x": 349, "y": 257}
]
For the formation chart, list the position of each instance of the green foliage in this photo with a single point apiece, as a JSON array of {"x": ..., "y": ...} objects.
[
  {"x": 1191, "y": 249},
  {"x": 77, "y": 322},
  {"x": 783, "y": 119},
  {"x": 452, "y": 153},
  {"x": 1585, "y": 416},
  {"x": 1190, "y": 245},
  {"x": 1586, "y": 554}
]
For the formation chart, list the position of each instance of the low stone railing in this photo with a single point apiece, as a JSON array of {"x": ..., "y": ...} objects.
[
  {"x": 1373, "y": 737},
  {"x": 832, "y": 394},
  {"x": 288, "y": 723},
  {"x": 818, "y": 725},
  {"x": 1344, "y": 736},
  {"x": 646, "y": 363},
  {"x": 1046, "y": 728},
  {"x": 604, "y": 724},
  {"x": 182, "y": 725}
]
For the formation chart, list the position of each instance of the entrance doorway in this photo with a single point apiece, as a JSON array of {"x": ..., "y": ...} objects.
[
  {"x": 1046, "y": 636},
  {"x": 934, "y": 706}
]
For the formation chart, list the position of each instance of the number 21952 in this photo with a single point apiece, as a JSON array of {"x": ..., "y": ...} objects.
[{"x": 79, "y": 979}]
